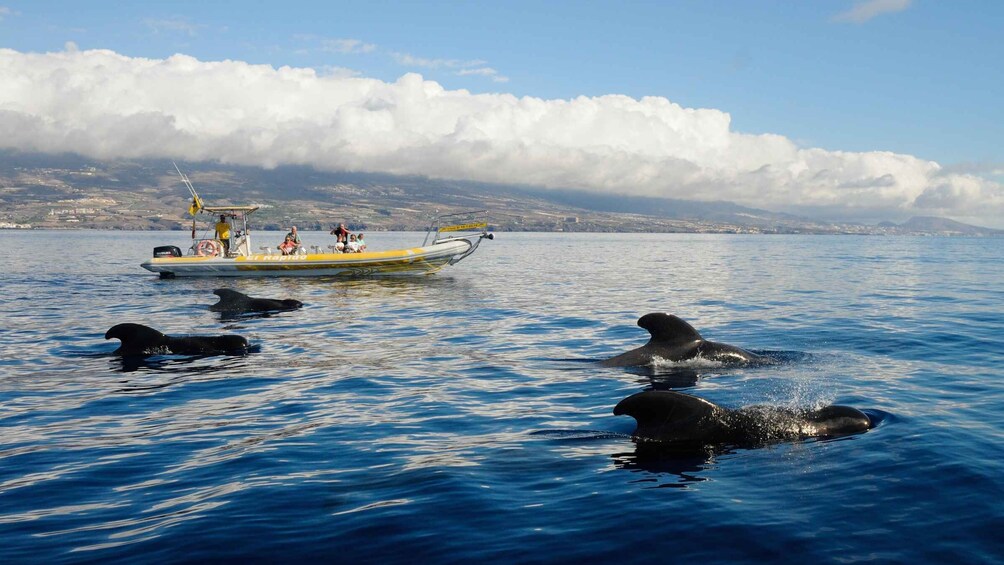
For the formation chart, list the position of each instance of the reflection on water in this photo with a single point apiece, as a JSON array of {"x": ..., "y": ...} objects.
[
  {"x": 666, "y": 470},
  {"x": 673, "y": 379},
  {"x": 244, "y": 316},
  {"x": 184, "y": 364},
  {"x": 463, "y": 416}
]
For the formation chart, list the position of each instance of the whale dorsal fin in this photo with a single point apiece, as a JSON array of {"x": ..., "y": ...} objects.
[
  {"x": 229, "y": 300},
  {"x": 668, "y": 415},
  {"x": 226, "y": 295},
  {"x": 135, "y": 337},
  {"x": 667, "y": 329}
]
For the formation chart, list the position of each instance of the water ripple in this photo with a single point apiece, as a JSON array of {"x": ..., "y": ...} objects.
[{"x": 463, "y": 416}]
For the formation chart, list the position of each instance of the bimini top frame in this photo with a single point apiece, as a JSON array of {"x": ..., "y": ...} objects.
[{"x": 470, "y": 226}]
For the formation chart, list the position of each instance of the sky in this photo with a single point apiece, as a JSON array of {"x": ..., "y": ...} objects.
[{"x": 861, "y": 110}]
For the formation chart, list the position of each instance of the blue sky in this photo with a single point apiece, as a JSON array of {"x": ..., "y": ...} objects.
[{"x": 922, "y": 78}]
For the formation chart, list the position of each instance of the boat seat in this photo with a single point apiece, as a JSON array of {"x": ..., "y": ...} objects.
[
  {"x": 266, "y": 249},
  {"x": 315, "y": 248},
  {"x": 333, "y": 249}
]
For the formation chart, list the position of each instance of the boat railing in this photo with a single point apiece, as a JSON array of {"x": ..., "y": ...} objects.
[
  {"x": 459, "y": 225},
  {"x": 469, "y": 226}
]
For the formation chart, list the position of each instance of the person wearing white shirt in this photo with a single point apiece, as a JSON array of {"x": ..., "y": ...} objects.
[{"x": 352, "y": 246}]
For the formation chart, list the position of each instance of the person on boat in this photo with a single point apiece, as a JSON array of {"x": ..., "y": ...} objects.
[
  {"x": 295, "y": 237},
  {"x": 342, "y": 233},
  {"x": 339, "y": 247},
  {"x": 352, "y": 246},
  {"x": 362, "y": 244},
  {"x": 223, "y": 233},
  {"x": 287, "y": 247}
]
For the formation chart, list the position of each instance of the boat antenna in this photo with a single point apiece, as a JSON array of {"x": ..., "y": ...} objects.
[{"x": 188, "y": 183}]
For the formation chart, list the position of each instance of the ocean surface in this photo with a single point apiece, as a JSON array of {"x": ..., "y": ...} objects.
[{"x": 462, "y": 417}]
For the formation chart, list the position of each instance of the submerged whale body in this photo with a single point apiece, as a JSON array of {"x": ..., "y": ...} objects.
[
  {"x": 138, "y": 339},
  {"x": 233, "y": 301},
  {"x": 684, "y": 420},
  {"x": 675, "y": 340}
]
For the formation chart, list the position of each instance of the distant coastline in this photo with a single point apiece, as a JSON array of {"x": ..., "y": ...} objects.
[
  {"x": 492, "y": 228},
  {"x": 71, "y": 192}
]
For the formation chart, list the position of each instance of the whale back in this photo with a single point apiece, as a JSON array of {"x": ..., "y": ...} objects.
[
  {"x": 673, "y": 339},
  {"x": 687, "y": 421},
  {"x": 138, "y": 339},
  {"x": 204, "y": 345},
  {"x": 668, "y": 330},
  {"x": 231, "y": 300}
]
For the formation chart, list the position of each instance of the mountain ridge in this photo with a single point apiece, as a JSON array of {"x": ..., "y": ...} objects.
[{"x": 60, "y": 191}]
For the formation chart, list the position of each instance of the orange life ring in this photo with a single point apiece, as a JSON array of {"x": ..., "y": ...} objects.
[{"x": 208, "y": 248}]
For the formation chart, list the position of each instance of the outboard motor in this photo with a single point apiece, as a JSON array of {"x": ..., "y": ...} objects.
[{"x": 166, "y": 251}]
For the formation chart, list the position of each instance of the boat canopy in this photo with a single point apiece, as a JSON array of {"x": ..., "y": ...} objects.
[{"x": 230, "y": 209}]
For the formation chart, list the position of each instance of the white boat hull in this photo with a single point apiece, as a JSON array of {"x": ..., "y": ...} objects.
[{"x": 401, "y": 262}]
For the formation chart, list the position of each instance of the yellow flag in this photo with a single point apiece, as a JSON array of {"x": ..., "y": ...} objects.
[{"x": 196, "y": 206}]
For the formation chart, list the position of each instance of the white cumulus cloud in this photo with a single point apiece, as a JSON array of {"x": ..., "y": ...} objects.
[{"x": 105, "y": 105}]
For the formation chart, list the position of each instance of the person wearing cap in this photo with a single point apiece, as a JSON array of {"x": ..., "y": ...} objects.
[{"x": 223, "y": 233}]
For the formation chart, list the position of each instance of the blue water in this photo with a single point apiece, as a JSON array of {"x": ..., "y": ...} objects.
[{"x": 460, "y": 417}]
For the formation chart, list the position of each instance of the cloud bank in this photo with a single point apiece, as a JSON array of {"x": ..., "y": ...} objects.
[{"x": 105, "y": 105}]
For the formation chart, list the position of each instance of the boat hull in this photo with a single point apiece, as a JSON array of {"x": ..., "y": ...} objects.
[{"x": 401, "y": 262}]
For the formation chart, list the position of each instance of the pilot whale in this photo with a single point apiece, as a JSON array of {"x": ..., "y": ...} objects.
[
  {"x": 138, "y": 339},
  {"x": 675, "y": 340},
  {"x": 233, "y": 301},
  {"x": 679, "y": 419}
]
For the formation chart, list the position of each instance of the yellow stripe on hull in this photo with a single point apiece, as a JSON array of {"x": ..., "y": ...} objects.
[{"x": 414, "y": 261}]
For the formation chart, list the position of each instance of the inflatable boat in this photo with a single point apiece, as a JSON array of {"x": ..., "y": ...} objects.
[{"x": 228, "y": 251}]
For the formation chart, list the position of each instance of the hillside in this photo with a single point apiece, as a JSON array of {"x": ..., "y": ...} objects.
[
  {"x": 68, "y": 191},
  {"x": 944, "y": 226}
]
